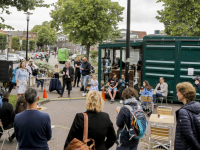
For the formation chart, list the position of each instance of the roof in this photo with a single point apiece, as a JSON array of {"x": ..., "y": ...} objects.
[
  {"x": 18, "y": 33},
  {"x": 1, "y": 31},
  {"x": 141, "y": 34}
]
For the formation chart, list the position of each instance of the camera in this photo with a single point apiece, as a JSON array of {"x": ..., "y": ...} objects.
[{"x": 196, "y": 78}]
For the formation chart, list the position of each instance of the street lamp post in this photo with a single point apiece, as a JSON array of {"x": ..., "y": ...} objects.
[
  {"x": 27, "y": 18},
  {"x": 8, "y": 46},
  {"x": 128, "y": 42}
]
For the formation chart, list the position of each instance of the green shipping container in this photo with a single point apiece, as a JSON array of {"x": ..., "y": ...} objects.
[
  {"x": 177, "y": 59},
  {"x": 63, "y": 55}
]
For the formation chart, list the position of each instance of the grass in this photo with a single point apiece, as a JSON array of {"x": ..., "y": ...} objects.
[{"x": 13, "y": 100}]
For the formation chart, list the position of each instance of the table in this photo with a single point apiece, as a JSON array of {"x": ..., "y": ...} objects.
[
  {"x": 164, "y": 119},
  {"x": 45, "y": 81}
]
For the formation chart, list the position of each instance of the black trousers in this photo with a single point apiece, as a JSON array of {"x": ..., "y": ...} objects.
[
  {"x": 77, "y": 77},
  {"x": 67, "y": 82},
  {"x": 121, "y": 88},
  {"x": 11, "y": 86}
]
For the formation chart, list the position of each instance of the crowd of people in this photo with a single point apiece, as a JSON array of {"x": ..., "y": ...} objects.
[{"x": 32, "y": 128}]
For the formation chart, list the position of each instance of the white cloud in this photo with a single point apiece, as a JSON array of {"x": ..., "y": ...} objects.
[{"x": 143, "y": 13}]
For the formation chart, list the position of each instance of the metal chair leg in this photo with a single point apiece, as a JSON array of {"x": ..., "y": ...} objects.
[
  {"x": 149, "y": 144},
  {"x": 5, "y": 136}
]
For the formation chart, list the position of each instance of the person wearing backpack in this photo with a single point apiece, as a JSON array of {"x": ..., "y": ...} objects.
[
  {"x": 188, "y": 119},
  {"x": 126, "y": 139}
]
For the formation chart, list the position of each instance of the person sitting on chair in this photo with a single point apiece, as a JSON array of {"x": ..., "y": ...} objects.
[
  {"x": 147, "y": 91},
  {"x": 112, "y": 86},
  {"x": 94, "y": 83},
  {"x": 122, "y": 86},
  {"x": 161, "y": 89}
]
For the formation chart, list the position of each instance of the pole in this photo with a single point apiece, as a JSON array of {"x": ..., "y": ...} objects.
[
  {"x": 128, "y": 42},
  {"x": 27, "y": 41},
  {"x": 8, "y": 47}
]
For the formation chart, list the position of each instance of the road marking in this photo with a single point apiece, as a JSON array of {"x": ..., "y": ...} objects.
[{"x": 68, "y": 98}]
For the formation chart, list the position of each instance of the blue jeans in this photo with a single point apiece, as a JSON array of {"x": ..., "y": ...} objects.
[
  {"x": 39, "y": 82},
  {"x": 158, "y": 94},
  {"x": 127, "y": 148},
  {"x": 85, "y": 81}
]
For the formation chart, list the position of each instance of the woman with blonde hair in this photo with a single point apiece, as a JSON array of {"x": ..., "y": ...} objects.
[
  {"x": 188, "y": 119},
  {"x": 100, "y": 127}
]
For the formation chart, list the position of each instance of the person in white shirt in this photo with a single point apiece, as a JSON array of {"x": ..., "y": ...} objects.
[{"x": 31, "y": 66}]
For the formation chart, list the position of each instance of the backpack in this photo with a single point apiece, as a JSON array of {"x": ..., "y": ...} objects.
[
  {"x": 138, "y": 123},
  {"x": 34, "y": 72},
  {"x": 76, "y": 144}
]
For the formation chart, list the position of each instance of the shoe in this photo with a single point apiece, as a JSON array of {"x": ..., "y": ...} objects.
[
  {"x": 112, "y": 101},
  {"x": 77, "y": 85},
  {"x": 74, "y": 86},
  {"x": 60, "y": 96},
  {"x": 83, "y": 94},
  {"x": 68, "y": 96},
  {"x": 10, "y": 139},
  {"x": 121, "y": 101}
]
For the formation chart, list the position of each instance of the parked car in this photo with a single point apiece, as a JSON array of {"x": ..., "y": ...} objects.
[
  {"x": 3, "y": 57},
  {"x": 32, "y": 55},
  {"x": 13, "y": 57},
  {"x": 19, "y": 57}
]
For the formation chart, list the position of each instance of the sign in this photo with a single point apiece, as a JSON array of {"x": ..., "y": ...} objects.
[{"x": 190, "y": 71}]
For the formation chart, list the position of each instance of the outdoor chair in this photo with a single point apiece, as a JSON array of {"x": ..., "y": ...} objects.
[
  {"x": 5, "y": 132},
  {"x": 162, "y": 99},
  {"x": 149, "y": 103},
  {"x": 162, "y": 110},
  {"x": 160, "y": 135}
]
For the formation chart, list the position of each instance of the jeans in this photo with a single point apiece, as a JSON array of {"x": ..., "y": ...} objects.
[
  {"x": 11, "y": 86},
  {"x": 39, "y": 82},
  {"x": 127, "y": 148},
  {"x": 158, "y": 94},
  {"x": 85, "y": 81}
]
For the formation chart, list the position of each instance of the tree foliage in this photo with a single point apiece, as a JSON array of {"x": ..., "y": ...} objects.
[
  {"x": 23, "y": 44},
  {"x": 31, "y": 44},
  {"x": 180, "y": 17},
  {"x": 87, "y": 21},
  {"x": 3, "y": 41},
  {"x": 20, "y": 5},
  {"x": 15, "y": 43},
  {"x": 45, "y": 34}
]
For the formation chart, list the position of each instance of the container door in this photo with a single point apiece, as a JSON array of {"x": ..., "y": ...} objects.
[
  {"x": 160, "y": 61},
  {"x": 189, "y": 62}
]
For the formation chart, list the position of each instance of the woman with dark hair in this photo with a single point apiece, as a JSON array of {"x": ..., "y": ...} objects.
[
  {"x": 147, "y": 91},
  {"x": 188, "y": 118},
  {"x": 123, "y": 118},
  {"x": 20, "y": 106},
  {"x": 56, "y": 71},
  {"x": 112, "y": 86}
]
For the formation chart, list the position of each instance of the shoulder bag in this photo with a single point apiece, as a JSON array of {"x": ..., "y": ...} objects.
[{"x": 76, "y": 144}]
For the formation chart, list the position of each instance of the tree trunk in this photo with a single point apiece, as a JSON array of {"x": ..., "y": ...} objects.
[{"x": 88, "y": 51}]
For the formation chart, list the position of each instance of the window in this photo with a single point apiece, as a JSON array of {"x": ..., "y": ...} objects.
[
  {"x": 34, "y": 36},
  {"x": 29, "y": 35}
]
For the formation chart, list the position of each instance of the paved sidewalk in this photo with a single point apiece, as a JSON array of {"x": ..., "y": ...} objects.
[{"x": 62, "y": 113}]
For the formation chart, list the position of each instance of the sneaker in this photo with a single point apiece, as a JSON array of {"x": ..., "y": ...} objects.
[
  {"x": 112, "y": 101},
  {"x": 10, "y": 139},
  {"x": 83, "y": 94},
  {"x": 121, "y": 101}
]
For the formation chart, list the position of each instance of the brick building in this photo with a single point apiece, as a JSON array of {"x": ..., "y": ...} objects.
[{"x": 22, "y": 35}]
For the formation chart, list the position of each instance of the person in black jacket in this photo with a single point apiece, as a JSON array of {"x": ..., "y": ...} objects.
[
  {"x": 188, "y": 119},
  {"x": 85, "y": 73},
  {"x": 68, "y": 75},
  {"x": 77, "y": 65},
  {"x": 100, "y": 127},
  {"x": 197, "y": 83},
  {"x": 6, "y": 113},
  {"x": 123, "y": 118}
]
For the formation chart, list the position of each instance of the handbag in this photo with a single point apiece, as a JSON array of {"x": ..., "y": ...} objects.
[{"x": 76, "y": 144}]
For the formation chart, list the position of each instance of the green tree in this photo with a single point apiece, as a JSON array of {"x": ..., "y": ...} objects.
[
  {"x": 180, "y": 17},
  {"x": 23, "y": 44},
  {"x": 45, "y": 34},
  {"x": 87, "y": 22},
  {"x": 31, "y": 44},
  {"x": 3, "y": 41},
  {"x": 15, "y": 43},
  {"x": 20, "y": 5}
]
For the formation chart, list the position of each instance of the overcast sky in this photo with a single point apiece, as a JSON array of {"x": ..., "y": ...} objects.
[{"x": 143, "y": 14}]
